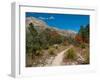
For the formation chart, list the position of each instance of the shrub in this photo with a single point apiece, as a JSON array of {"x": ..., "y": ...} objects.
[
  {"x": 86, "y": 57},
  {"x": 83, "y": 46},
  {"x": 51, "y": 51},
  {"x": 87, "y": 61},
  {"x": 70, "y": 54},
  {"x": 39, "y": 53}
]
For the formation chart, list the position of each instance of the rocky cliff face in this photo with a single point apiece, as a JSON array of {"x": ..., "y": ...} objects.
[{"x": 40, "y": 25}]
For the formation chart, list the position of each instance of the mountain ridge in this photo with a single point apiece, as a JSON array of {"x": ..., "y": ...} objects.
[{"x": 41, "y": 25}]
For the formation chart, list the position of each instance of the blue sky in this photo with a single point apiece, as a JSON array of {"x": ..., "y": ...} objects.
[{"x": 62, "y": 21}]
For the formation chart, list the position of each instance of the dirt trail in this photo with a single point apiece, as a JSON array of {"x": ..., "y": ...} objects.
[{"x": 58, "y": 59}]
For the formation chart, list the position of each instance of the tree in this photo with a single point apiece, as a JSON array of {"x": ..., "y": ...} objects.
[
  {"x": 32, "y": 29},
  {"x": 78, "y": 38},
  {"x": 31, "y": 39},
  {"x": 83, "y": 34},
  {"x": 87, "y": 34}
]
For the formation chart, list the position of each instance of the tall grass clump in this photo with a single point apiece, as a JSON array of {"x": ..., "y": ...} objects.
[{"x": 70, "y": 54}]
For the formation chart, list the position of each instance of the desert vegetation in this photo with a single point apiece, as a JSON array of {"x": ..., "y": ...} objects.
[{"x": 45, "y": 46}]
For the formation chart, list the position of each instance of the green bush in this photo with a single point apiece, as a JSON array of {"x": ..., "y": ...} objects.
[
  {"x": 83, "y": 46},
  {"x": 87, "y": 61},
  {"x": 86, "y": 57},
  {"x": 39, "y": 53},
  {"x": 51, "y": 51},
  {"x": 70, "y": 54}
]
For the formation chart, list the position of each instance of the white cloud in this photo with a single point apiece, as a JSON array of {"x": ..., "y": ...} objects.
[
  {"x": 41, "y": 17},
  {"x": 51, "y": 17},
  {"x": 46, "y": 18}
]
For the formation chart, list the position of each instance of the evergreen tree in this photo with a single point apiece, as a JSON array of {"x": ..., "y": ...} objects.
[{"x": 83, "y": 34}]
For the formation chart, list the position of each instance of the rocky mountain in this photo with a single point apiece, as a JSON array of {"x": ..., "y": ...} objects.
[
  {"x": 40, "y": 25},
  {"x": 37, "y": 23},
  {"x": 65, "y": 32}
]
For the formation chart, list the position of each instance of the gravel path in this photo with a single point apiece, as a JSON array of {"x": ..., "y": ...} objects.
[{"x": 58, "y": 59}]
